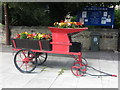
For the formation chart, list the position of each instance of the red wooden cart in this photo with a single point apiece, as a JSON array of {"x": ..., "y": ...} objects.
[{"x": 26, "y": 60}]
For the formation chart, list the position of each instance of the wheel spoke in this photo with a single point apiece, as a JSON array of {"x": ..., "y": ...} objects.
[
  {"x": 39, "y": 60},
  {"x": 24, "y": 53},
  {"x": 32, "y": 61},
  {"x": 77, "y": 72},
  {"x": 26, "y": 66},
  {"x": 80, "y": 72},
  {"x": 20, "y": 56},
  {"x": 30, "y": 65},
  {"x": 22, "y": 65},
  {"x": 42, "y": 56},
  {"x": 19, "y": 61}
]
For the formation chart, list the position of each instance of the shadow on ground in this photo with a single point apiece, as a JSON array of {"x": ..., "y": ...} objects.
[{"x": 101, "y": 55}]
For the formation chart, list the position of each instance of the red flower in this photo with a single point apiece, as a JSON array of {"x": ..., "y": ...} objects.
[
  {"x": 61, "y": 21},
  {"x": 46, "y": 36},
  {"x": 30, "y": 35},
  {"x": 18, "y": 35},
  {"x": 78, "y": 23}
]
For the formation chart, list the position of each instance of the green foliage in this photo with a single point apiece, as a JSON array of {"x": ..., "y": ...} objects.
[
  {"x": 29, "y": 14},
  {"x": 23, "y": 36},
  {"x": 1, "y": 24},
  {"x": 73, "y": 19},
  {"x": 117, "y": 18},
  {"x": 0, "y": 12}
]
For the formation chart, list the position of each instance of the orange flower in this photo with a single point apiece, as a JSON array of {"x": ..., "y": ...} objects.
[{"x": 30, "y": 36}]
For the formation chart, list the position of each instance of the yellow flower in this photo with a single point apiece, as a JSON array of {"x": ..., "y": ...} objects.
[
  {"x": 40, "y": 36},
  {"x": 43, "y": 33},
  {"x": 26, "y": 33},
  {"x": 75, "y": 23},
  {"x": 61, "y": 24},
  {"x": 56, "y": 23}
]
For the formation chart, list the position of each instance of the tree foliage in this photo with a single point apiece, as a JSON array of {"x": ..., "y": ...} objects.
[
  {"x": 117, "y": 18},
  {"x": 28, "y": 14},
  {"x": 45, "y": 13}
]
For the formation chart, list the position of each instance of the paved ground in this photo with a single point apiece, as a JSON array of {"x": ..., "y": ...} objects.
[{"x": 47, "y": 75}]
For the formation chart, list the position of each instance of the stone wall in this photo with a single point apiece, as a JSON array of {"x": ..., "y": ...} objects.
[{"x": 108, "y": 40}]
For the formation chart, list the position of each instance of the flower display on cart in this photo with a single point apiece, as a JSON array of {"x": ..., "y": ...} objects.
[
  {"x": 68, "y": 24},
  {"x": 34, "y": 36}
]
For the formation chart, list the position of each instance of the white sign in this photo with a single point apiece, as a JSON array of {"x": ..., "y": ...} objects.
[
  {"x": 108, "y": 20},
  {"x": 105, "y": 14},
  {"x": 84, "y": 14},
  {"x": 103, "y": 21},
  {"x": 86, "y": 20}
]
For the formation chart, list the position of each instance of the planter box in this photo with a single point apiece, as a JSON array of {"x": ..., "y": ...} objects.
[
  {"x": 75, "y": 47},
  {"x": 31, "y": 44},
  {"x": 46, "y": 45}
]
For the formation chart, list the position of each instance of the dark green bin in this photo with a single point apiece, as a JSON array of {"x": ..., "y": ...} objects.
[{"x": 95, "y": 41}]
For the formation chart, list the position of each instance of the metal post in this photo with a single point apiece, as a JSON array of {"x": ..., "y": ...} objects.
[{"x": 6, "y": 24}]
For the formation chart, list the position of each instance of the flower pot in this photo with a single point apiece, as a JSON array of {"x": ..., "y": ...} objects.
[{"x": 31, "y": 44}]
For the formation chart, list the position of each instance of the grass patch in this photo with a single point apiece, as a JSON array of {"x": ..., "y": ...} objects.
[
  {"x": 43, "y": 69},
  {"x": 1, "y": 24},
  {"x": 62, "y": 71}
]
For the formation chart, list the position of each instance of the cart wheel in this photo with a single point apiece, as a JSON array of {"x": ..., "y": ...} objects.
[
  {"x": 24, "y": 59},
  {"x": 41, "y": 57},
  {"x": 84, "y": 61},
  {"x": 78, "y": 69}
]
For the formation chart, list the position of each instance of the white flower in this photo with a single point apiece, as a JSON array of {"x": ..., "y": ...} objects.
[{"x": 69, "y": 24}]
